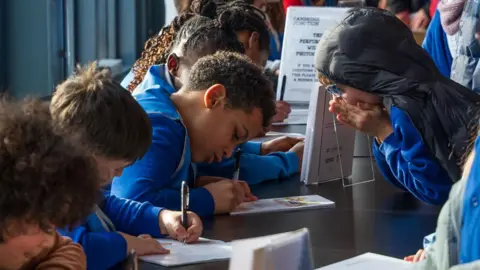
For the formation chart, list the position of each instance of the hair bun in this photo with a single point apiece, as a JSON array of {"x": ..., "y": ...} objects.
[{"x": 206, "y": 8}]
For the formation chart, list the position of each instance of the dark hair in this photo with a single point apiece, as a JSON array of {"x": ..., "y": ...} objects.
[
  {"x": 234, "y": 16},
  {"x": 45, "y": 179},
  {"x": 241, "y": 16},
  {"x": 157, "y": 47},
  {"x": 92, "y": 106},
  {"x": 246, "y": 85}
]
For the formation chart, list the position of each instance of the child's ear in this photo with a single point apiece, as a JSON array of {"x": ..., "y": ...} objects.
[
  {"x": 215, "y": 96},
  {"x": 173, "y": 62},
  {"x": 253, "y": 40}
]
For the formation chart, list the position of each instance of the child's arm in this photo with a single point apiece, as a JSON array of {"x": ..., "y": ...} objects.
[
  {"x": 411, "y": 163},
  {"x": 150, "y": 178},
  {"x": 254, "y": 168}
]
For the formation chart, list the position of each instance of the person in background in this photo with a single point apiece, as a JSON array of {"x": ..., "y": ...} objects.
[
  {"x": 225, "y": 102},
  {"x": 465, "y": 65},
  {"x": 114, "y": 129},
  {"x": 393, "y": 91},
  {"x": 403, "y": 9},
  {"x": 46, "y": 182},
  {"x": 437, "y": 46}
]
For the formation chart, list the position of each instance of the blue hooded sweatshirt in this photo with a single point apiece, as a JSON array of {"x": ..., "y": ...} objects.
[
  {"x": 103, "y": 245},
  {"x": 254, "y": 168}
]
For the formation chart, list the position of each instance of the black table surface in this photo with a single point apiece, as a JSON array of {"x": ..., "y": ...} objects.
[{"x": 370, "y": 217}]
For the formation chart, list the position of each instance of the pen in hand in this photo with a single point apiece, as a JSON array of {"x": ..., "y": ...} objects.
[
  {"x": 185, "y": 205},
  {"x": 236, "y": 169}
]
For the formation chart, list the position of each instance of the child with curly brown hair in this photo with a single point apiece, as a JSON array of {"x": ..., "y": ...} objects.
[{"x": 46, "y": 182}]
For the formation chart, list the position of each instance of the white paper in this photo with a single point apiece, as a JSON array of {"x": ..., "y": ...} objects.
[
  {"x": 371, "y": 261},
  {"x": 296, "y": 117},
  {"x": 283, "y": 204},
  {"x": 273, "y": 135},
  {"x": 205, "y": 250},
  {"x": 304, "y": 28},
  {"x": 285, "y": 251}
]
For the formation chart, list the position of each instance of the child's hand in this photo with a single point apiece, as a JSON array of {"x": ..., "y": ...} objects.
[
  {"x": 420, "y": 256},
  {"x": 283, "y": 110},
  {"x": 171, "y": 223},
  {"x": 367, "y": 118},
  {"x": 228, "y": 194},
  {"x": 281, "y": 144},
  {"x": 298, "y": 149},
  {"x": 205, "y": 180},
  {"x": 144, "y": 245},
  {"x": 420, "y": 20}
]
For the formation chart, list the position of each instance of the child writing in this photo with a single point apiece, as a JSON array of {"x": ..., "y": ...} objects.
[
  {"x": 45, "y": 182},
  {"x": 199, "y": 37},
  {"x": 225, "y": 101},
  {"x": 116, "y": 131},
  {"x": 388, "y": 87}
]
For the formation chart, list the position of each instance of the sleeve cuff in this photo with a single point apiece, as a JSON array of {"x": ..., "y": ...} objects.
[
  {"x": 251, "y": 147},
  {"x": 201, "y": 202},
  {"x": 390, "y": 144},
  {"x": 151, "y": 220},
  {"x": 293, "y": 162}
]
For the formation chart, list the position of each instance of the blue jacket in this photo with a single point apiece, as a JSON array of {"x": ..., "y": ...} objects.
[
  {"x": 157, "y": 177},
  {"x": 436, "y": 44},
  {"x": 405, "y": 161},
  {"x": 105, "y": 247},
  {"x": 470, "y": 231},
  {"x": 254, "y": 169}
]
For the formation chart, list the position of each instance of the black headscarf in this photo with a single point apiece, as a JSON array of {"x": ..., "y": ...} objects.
[{"x": 375, "y": 52}]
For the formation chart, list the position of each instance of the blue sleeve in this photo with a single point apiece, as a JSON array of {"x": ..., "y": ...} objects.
[
  {"x": 103, "y": 249},
  {"x": 254, "y": 168},
  {"x": 404, "y": 160},
  {"x": 150, "y": 178},
  {"x": 251, "y": 147},
  {"x": 436, "y": 45},
  {"x": 132, "y": 217}
]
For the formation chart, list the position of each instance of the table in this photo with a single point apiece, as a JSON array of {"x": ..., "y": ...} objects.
[{"x": 371, "y": 217}]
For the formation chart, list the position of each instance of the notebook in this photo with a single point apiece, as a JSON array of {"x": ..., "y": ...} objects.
[
  {"x": 371, "y": 261},
  {"x": 285, "y": 251},
  {"x": 205, "y": 250},
  {"x": 273, "y": 135},
  {"x": 283, "y": 205}
]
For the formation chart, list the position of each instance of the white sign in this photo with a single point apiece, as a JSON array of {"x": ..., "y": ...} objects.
[
  {"x": 303, "y": 29},
  {"x": 329, "y": 145}
]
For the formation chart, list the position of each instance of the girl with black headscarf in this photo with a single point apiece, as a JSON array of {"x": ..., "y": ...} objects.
[{"x": 388, "y": 87}]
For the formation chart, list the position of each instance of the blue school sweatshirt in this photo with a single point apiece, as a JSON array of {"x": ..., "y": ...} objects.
[
  {"x": 406, "y": 162},
  {"x": 98, "y": 236},
  {"x": 470, "y": 230},
  {"x": 157, "y": 177},
  {"x": 436, "y": 45},
  {"x": 254, "y": 168}
]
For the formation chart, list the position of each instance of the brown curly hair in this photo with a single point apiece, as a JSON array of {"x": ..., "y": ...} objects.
[{"x": 45, "y": 180}]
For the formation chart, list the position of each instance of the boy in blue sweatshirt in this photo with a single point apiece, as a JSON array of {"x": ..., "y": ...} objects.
[
  {"x": 225, "y": 102},
  {"x": 200, "y": 37},
  {"x": 110, "y": 124},
  {"x": 388, "y": 87}
]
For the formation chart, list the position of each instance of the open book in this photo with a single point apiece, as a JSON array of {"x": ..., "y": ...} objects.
[
  {"x": 283, "y": 205},
  {"x": 285, "y": 251},
  {"x": 205, "y": 250}
]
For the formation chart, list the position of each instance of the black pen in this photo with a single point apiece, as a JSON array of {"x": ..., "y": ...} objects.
[
  {"x": 282, "y": 89},
  {"x": 236, "y": 169},
  {"x": 185, "y": 205}
]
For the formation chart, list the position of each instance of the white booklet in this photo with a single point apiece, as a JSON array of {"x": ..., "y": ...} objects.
[
  {"x": 205, "y": 250},
  {"x": 273, "y": 135},
  {"x": 285, "y": 251},
  {"x": 282, "y": 205},
  {"x": 371, "y": 261}
]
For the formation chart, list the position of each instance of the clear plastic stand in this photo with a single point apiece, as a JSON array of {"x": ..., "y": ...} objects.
[{"x": 330, "y": 147}]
